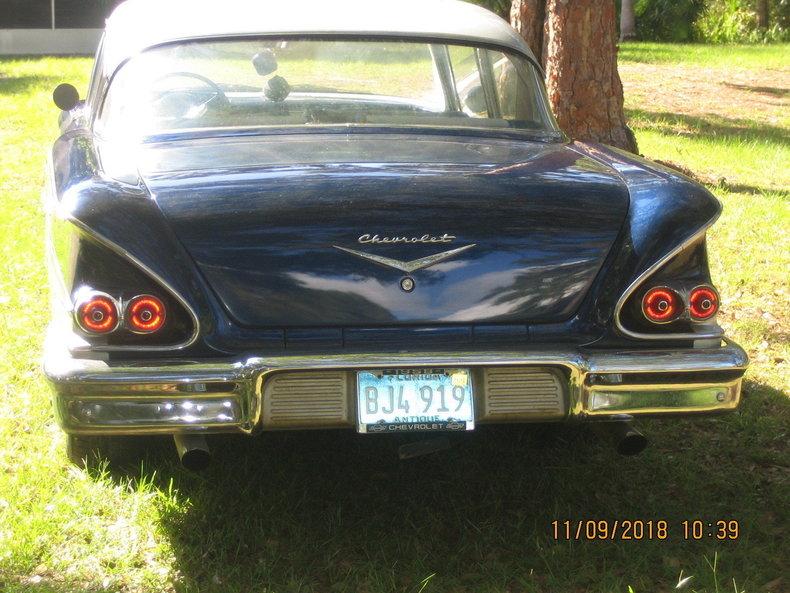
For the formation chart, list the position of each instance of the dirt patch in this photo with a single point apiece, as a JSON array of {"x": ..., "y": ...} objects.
[{"x": 762, "y": 97}]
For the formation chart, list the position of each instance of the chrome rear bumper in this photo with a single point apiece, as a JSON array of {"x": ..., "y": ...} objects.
[{"x": 93, "y": 396}]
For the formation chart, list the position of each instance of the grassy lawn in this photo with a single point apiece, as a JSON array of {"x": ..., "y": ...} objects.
[{"x": 322, "y": 512}]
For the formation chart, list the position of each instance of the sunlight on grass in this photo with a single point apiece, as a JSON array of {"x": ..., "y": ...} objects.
[
  {"x": 697, "y": 54},
  {"x": 721, "y": 162},
  {"x": 58, "y": 525}
]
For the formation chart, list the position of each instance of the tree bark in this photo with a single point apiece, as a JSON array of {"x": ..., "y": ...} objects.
[
  {"x": 762, "y": 15},
  {"x": 584, "y": 86},
  {"x": 528, "y": 18},
  {"x": 627, "y": 20}
]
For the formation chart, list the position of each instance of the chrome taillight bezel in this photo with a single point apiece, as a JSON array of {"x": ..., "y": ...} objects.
[
  {"x": 86, "y": 297},
  {"x": 129, "y": 315},
  {"x": 675, "y": 294},
  {"x": 716, "y": 303}
]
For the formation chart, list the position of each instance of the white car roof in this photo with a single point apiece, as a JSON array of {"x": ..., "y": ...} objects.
[{"x": 136, "y": 25}]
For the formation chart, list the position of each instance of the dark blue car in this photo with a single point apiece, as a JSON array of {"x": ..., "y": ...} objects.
[{"x": 357, "y": 217}]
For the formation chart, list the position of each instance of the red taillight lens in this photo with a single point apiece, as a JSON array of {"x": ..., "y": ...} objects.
[
  {"x": 703, "y": 303},
  {"x": 661, "y": 305},
  {"x": 97, "y": 314},
  {"x": 145, "y": 314}
]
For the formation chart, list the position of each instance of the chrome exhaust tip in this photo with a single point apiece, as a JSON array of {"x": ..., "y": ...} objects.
[
  {"x": 628, "y": 441},
  {"x": 193, "y": 451}
]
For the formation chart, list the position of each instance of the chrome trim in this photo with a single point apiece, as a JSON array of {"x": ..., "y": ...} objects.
[
  {"x": 495, "y": 133},
  {"x": 648, "y": 399},
  {"x": 718, "y": 303},
  {"x": 693, "y": 238},
  {"x": 49, "y": 205},
  {"x": 677, "y": 294},
  {"x": 92, "y": 414},
  {"x": 243, "y": 380},
  {"x": 82, "y": 296},
  {"x": 407, "y": 266},
  {"x": 118, "y": 250},
  {"x": 376, "y": 239},
  {"x": 142, "y": 332}
]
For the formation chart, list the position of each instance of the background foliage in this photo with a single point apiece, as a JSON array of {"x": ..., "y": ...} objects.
[
  {"x": 667, "y": 20},
  {"x": 501, "y": 7},
  {"x": 735, "y": 21},
  {"x": 708, "y": 21}
]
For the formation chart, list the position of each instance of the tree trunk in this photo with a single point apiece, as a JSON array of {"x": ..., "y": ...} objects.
[
  {"x": 762, "y": 15},
  {"x": 528, "y": 18},
  {"x": 628, "y": 20},
  {"x": 584, "y": 87}
]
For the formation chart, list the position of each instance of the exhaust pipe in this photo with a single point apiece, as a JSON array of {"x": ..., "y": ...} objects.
[
  {"x": 627, "y": 439},
  {"x": 193, "y": 451}
]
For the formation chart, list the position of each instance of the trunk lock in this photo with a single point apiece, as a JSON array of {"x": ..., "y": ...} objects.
[{"x": 407, "y": 284}]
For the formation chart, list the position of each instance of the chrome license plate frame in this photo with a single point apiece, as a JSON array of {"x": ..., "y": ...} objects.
[{"x": 415, "y": 400}]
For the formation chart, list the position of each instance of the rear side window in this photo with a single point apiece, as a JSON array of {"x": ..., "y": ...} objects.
[{"x": 489, "y": 86}]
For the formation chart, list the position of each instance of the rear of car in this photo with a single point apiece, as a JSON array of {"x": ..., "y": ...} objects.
[{"x": 384, "y": 232}]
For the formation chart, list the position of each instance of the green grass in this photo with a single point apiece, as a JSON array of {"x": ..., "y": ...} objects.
[
  {"x": 697, "y": 54},
  {"x": 701, "y": 144},
  {"x": 322, "y": 512}
]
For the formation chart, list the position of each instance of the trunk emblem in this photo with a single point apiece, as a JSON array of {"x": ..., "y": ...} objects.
[
  {"x": 368, "y": 238},
  {"x": 407, "y": 266}
]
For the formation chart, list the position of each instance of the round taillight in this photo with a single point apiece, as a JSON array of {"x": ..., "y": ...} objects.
[
  {"x": 661, "y": 305},
  {"x": 145, "y": 314},
  {"x": 97, "y": 313},
  {"x": 703, "y": 303}
]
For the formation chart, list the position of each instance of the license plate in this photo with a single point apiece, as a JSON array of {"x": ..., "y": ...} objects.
[{"x": 415, "y": 400}]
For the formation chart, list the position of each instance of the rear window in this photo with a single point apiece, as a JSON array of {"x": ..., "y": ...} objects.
[{"x": 266, "y": 83}]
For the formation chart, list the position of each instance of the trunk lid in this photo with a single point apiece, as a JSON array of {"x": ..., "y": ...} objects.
[{"x": 290, "y": 230}]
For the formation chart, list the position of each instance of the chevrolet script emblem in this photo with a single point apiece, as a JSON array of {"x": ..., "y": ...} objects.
[{"x": 407, "y": 266}]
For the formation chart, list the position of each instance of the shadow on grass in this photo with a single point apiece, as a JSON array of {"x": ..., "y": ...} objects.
[
  {"x": 754, "y": 190},
  {"x": 336, "y": 511},
  {"x": 653, "y": 54},
  {"x": 710, "y": 124},
  {"x": 719, "y": 129},
  {"x": 23, "y": 85},
  {"x": 763, "y": 90}
]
